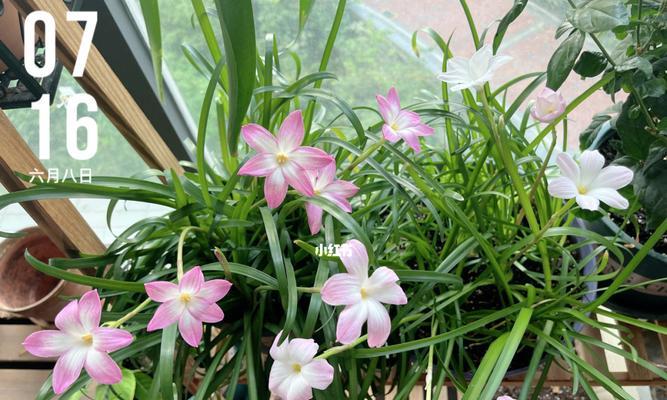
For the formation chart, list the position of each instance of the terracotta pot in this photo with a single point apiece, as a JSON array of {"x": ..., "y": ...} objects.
[
  {"x": 26, "y": 291},
  {"x": 10, "y": 32}
]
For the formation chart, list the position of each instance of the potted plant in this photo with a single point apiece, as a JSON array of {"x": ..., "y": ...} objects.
[
  {"x": 368, "y": 259},
  {"x": 635, "y": 137}
]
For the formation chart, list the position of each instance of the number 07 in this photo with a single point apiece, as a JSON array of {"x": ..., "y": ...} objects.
[{"x": 89, "y": 17}]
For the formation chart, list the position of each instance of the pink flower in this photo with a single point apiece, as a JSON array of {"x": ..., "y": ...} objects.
[
  {"x": 294, "y": 372},
  {"x": 548, "y": 106},
  {"x": 362, "y": 296},
  {"x": 80, "y": 342},
  {"x": 505, "y": 398},
  {"x": 282, "y": 160},
  {"x": 401, "y": 124},
  {"x": 189, "y": 303},
  {"x": 325, "y": 184}
]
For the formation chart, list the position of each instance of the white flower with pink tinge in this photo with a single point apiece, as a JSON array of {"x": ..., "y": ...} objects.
[
  {"x": 474, "y": 72},
  {"x": 590, "y": 182},
  {"x": 282, "y": 160},
  {"x": 548, "y": 106},
  {"x": 399, "y": 123},
  {"x": 362, "y": 296},
  {"x": 325, "y": 184},
  {"x": 295, "y": 372},
  {"x": 505, "y": 398},
  {"x": 190, "y": 303},
  {"x": 79, "y": 343}
]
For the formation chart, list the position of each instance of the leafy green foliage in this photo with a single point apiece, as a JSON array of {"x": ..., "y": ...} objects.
[
  {"x": 563, "y": 60},
  {"x": 599, "y": 16},
  {"x": 590, "y": 64}
]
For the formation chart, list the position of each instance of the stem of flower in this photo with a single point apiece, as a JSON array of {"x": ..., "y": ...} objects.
[
  {"x": 130, "y": 315},
  {"x": 179, "y": 253},
  {"x": 363, "y": 156},
  {"x": 224, "y": 263},
  {"x": 339, "y": 349}
]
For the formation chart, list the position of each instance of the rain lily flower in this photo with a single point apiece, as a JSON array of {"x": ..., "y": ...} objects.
[
  {"x": 589, "y": 183},
  {"x": 79, "y": 343},
  {"x": 362, "y": 296},
  {"x": 399, "y": 123},
  {"x": 294, "y": 372},
  {"x": 548, "y": 106},
  {"x": 189, "y": 303},
  {"x": 325, "y": 184},
  {"x": 282, "y": 160},
  {"x": 464, "y": 73},
  {"x": 505, "y": 398}
]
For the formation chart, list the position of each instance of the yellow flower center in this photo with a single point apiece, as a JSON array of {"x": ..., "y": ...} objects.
[
  {"x": 364, "y": 293},
  {"x": 296, "y": 368},
  {"x": 185, "y": 297},
  {"x": 582, "y": 189},
  {"x": 87, "y": 339},
  {"x": 394, "y": 126},
  {"x": 281, "y": 158}
]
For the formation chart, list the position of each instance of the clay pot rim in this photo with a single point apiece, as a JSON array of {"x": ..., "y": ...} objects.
[{"x": 50, "y": 295}]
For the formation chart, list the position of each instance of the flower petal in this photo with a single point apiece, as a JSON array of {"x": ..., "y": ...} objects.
[
  {"x": 587, "y": 202},
  {"x": 191, "y": 329},
  {"x": 166, "y": 314},
  {"x": 214, "y": 290},
  {"x": 102, "y": 368},
  {"x": 310, "y": 158},
  {"x": 407, "y": 119},
  {"x": 210, "y": 314},
  {"x": 394, "y": 101},
  {"x": 318, "y": 374},
  {"x": 314, "y": 214},
  {"x": 613, "y": 177},
  {"x": 90, "y": 310},
  {"x": 341, "y": 290},
  {"x": 562, "y": 188},
  {"x": 275, "y": 188},
  {"x": 299, "y": 389},
  {"x": 382, "y": 287},
  {"x": 355, "y": 258},
  {"x": 342, "y": 188},
  {"x": 68, "y": 321},
  {"x": 48, "y": 343},
  {"x": 389, "y": 134},
  {"x": 379, "y": 324},
  {"x": 340, "y": 201},
  {"x": 279, "y": 352},
  {"x": 610, "y": 197},
  {"x": 161, "y": 291},
  {"x": 568, "y": 167},
  {"x": 385, "y": 108},
  {"x": 298, "y": 179},
  {"x": 279, "y": 376},
  {"x": 261, "y": 140},
  {"x": 192, "y": 281},
  {"x": 67, "y": 369},
  {"x": 350, "y": 321},
  {"x": 302, "y": 351},
  {"x": 327, "y": 174},
  {"x": 590, "y": 165},
  {"x": 111, "y": 339},
  {"x": 411, "y": 139},
  {"x": 290, "y": 135},
  {"x": 262, "y": 164}
]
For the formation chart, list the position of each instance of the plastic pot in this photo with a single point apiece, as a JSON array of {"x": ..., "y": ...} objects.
[{"x": 24, "y": 290}]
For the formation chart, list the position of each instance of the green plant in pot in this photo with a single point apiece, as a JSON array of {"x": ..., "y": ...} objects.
[
  {"x": 635, "y": 136},
  {"x": 458, "y": 264}
]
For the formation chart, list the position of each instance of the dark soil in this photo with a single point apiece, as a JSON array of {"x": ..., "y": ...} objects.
[
  {"x": 637, "y": 229},
  {"x": 551, "y": 393}
]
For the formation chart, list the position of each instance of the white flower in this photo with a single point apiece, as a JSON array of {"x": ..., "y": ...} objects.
[
  {"x": 589, "y": 183},
  {"x": 295, "y": 372},
  {"x": 464, "y": 73}
]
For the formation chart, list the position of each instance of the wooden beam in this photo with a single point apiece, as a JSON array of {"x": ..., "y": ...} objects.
[
  {"x": 101, "y": 82},
  {"x": 59, "y": 219}
]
